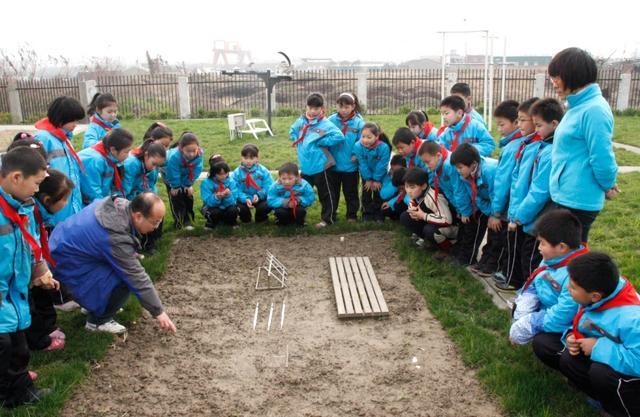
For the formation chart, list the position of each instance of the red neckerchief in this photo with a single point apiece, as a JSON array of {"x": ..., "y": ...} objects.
[
  {"x": 117, "y": 181},
  {"x": 20, "y": 220},
  {"x": 400, "y": 197},
  {"x": 343, "y": 121},
  {"x": 441, "y": 130},
  {"x": 518, "y": 135},
  {"x": 559, "y": 265},
  {"x": 100, "y": 123},
  {"x": 249, "y": 181},
  {"x": 45, "y": 124},
  {"x": 44, "y": 237},
  {"x": 474, "y": 191},
  {"x": 293, "y": 199},
  {"x": 534, "y": 139},
  {"x": 626, "y": 297},
  {"x": 305, "y": 128},
  {"x": 427, "y": 127},
  {"x": 190, "y": 165},
  {"x": 418, "y": 143},
  {"x": 436, "y": 177},
  {"x": 221, "y": 186},
  {"x": 454, "y": 144}
]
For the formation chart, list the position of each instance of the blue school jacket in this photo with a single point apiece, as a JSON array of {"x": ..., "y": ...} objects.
[
  {"x": 521, "y": 175},
  {"x": 413, "y": 160},
  {"x": 484, "y": 183},
  {"x": 60, "y": 158},
  {"x": 428, "y": 132},
  {"x": 538, "y": 195},
  {"x": 95, "y": 132},
  {"x": 448, "y": 178},
  {"x": 557, "y": 307},
  {"x": 278, "y": 195},
  {"x": 373, "y": 162},
  {"x": 261, "y": 176},
  {"x": 583, "y": 166},
  {"x": 177, "y": 170},
  {"x": 475, "y": 133},
  {"x": 621, "y": 348},
  {"x": 137, "y": 179},
  {"x": 15, "y": 269},
  {"x": 504, "y": 172},
  {"x": 477, "y": 116},
  {"x": 343, "y": 151},
  {"x": 313, "y": 150},
  {"x": 210, "y": 186},
  {"x": 97, "y": 182}
]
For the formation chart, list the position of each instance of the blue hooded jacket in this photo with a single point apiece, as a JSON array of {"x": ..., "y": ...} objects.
[
  {"x": 504, "y": 173},
  {"x": 373, "y": 162},
  {"x": 313, "y": 143},
  {"x": 448, "y": 177},
  {"x": 210, "y": 186},
  {"x": 177, "y": 168},
  {"x": 278, "y": 195},
  {"x": 343, "y": 151},
  {"x": 260, "y": 175},
  {"x": 484, "y": 184},
  {"x": 95, "y": 132},
  {"x": 137, "y": 179},
  {"x": 98, "y": 180},
  {"x": 474, "y": 133}
]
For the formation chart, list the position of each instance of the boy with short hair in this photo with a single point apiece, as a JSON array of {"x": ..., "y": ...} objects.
[
  {"x": 463, "y": 91},
  {"x": 601, "y": 351},
  {"x": 443, "y": 176},
  {"x": 392, "y": 191},
  {"x": 462, "y": 128},
  {"x": 253, "y": 181},
  {"x": 22, "y": 170},
  {"x": 290, "y": 196}
]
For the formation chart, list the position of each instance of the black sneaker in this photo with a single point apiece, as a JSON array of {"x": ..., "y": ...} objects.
[{"x": 505, "y": 286}]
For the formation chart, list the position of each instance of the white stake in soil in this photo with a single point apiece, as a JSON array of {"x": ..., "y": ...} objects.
[
  {"x": 255, "y": 316},
  {"x": 282, "y": 314},
  {"x": 270, "y": 317}
]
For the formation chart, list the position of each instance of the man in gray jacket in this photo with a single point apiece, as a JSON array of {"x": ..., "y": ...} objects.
[{"x": 96, "y": 257}]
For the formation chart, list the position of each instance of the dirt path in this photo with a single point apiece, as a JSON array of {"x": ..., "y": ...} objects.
[{"x": 218, "y": 366}]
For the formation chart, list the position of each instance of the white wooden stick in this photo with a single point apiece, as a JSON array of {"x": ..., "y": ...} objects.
[
  {"x": 270, "y": 316},
  {"x": 282, "y": 314},
  {"x": 255, "y": 316}
]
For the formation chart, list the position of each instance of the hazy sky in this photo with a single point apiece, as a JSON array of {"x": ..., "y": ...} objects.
[{"x": 349, "y": 30}]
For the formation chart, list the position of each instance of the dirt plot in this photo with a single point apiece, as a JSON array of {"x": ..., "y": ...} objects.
[{"x": 317, "y": 365}]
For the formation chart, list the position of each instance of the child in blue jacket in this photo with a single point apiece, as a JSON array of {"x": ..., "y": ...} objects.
[
  {"x": 407, "y": 144},
  {"x": 463, "y": 91},
  {"x": 418, "y": 122},
  {"x": 183, "y": 167},
  {"x": 443, "y": 176},
  {"x": 345, "y": 173},
  {"x": 462, "y": 128},
  {"x": 290, "y": 196},
  {"x": 601, "y": 351},
  {"x": 544, "y": 305},
  {"x": 219, "y": 195},
  {"x": 253, "y": 181},
  {"x": 103, "y": 111},
  {"x": 392, "y": 191},
  {"x": 373, "y": 153},
  {"x": 313, "y": 135},
  {"x": 22, "y": 261}
]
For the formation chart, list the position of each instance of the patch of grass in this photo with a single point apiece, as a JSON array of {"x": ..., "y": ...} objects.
[
  {"x": 627, "y": 158},
  {"x": 627, "y": 130}
]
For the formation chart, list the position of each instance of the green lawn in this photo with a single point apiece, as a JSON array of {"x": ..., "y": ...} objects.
[
  {"x": 627, "y": 130},
  {"x": 479, "y": 329}
]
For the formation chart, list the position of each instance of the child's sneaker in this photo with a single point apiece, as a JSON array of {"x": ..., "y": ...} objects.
[
  {"x": 109, "y": 327},
  {"x": 33, "y": 375},
  {"x": 56, "y": 344},
  {"x": 188, "y": 228},
  {"x": 321, "y": 225},
  {"x": 57, "y": 334},
  {"x": 68, "y": 306}
]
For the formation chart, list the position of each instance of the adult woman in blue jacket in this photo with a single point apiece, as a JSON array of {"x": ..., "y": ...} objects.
[{"x": 583, "y": 166}]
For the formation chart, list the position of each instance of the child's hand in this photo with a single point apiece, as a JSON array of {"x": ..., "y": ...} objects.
[
  {"x": 385, "y": 206},
  {"x": 464, "y": 219},
  {"x": 353, "y": 158},
  {"x": 256, "y": 198},
  {"x": 612, "y": 192},
  {"x": 512, "y": 227},
  {"x": 189, "y": 191},
  {"x": 375, "y": 185},
  {"x": 494, "y": 224},
  {"x": 174, "y": 191},
  {"x": 248, "y": 203},
  {"x": 573, "y": 345},
  {"x": 417, "y": 214},
  {"x": 226, "y": 192},
  {"x": 586, "y": 345},
  {"x": 290, "y": 204}
]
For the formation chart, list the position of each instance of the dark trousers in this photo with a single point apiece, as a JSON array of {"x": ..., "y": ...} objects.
[
  {"x": 530, "y": 256},
  {"x": 216, "y": 216},
  {"x": 371, "y": 205},
  {"x": 395, "y": 214},
  {"x": 150, "y": 240},
  {"x": 285, "y": 216},
  {"x": 470, "y": 237},
  {"x": 14, "y": 376},
  {"x": 548, "y": 348},
  {"x": 182, "y": 209},
  {"x": 43, "y": 318},
  {"x": 322, "y": 182},
  {"x": 586, "y": 218},
  {"x": 494, "y": 253},
  {"x": 262, "y": 212},
  {"x": 117, "y": 299},
  {"x": 512, "y": 267},
  {"x": 421, "y": 228},
  {"x": 348, "y": 182}
]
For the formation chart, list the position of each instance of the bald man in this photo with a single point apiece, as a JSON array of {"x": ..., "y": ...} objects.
[{"x": 96, "y": 257}]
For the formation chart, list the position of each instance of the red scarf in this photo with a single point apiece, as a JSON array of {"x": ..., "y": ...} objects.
[
  {"x": 294, "y": 200},
  {"x": 427, "y": 127},
  {"x": 626, "y": 297},
  {"x": 343, "y": 121},
  {"x": 221, "y": 186},
  {"x": 45, "y": 124},
  {"x": 117, "y": 181},
  {"x": 249, "y": 181},
  {"x": 559, "y": 265},
  {"x": 416, "y": 147},
  {"x": 441, "y": 130},
  {"x": 305, "y": 128},
  {"x": 400, "y": 198},
  {"x": 436, "y": 177},
  {"x": 190, "y": 165},
  {"x": 20, "y": 220},
  {"x": 518, "y": 135},
  {"x": 44, "y": 237},
  {"x": 474, "y": 191},
  {"x": 100, "y": 123},
  {"x": 534, "y": 139},
  {"x": 456, "y": 139}
]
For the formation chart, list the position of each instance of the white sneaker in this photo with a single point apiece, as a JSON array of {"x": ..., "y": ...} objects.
[
  {"x": 84, "y": 311},
  {"x": 188, "y": 228},
  {"x": 108, "y": 327},
  {"x": 68, "y": 306}
]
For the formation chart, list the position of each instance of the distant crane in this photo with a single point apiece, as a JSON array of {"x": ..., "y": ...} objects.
[{"x": 224, "y": 49}]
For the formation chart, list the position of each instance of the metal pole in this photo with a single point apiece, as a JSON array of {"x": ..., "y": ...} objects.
[
  {"x": 491, "y": 75},
  {"x": 486, "y": 74},
  {"x": 269, "y": 85},
  {"x": 504, "y": 68},
  {"x": 442, "y": 59}
]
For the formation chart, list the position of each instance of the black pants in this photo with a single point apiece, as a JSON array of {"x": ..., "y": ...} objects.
[
  {"x": 494, "y": 251},
  {"x": 548, "y": 348},
  {"x": 43, "y": 318},
  {"x": 348, "y": 182},
  {"x": 285, "y": 216},
  {"x": 395, "y": 214},
  {"x": 512, "y": 266},
  {"x": 421, "y": 228},
  {"x": 586, "y": 218},
  {"x": 470, "y": 237},
  {"x": 182, "y": 209},
  {"x": 322, "y": 182},
  {"x": 371, "y": 205},
  {"x": 14, "y": 376},
  {"x": 216, "y": 216},
  {"x": 262, "y": 212},
  {"x": 530, "y": 256}
]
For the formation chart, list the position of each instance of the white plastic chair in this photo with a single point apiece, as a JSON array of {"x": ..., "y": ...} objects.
[{"x": 239, "y": 125}]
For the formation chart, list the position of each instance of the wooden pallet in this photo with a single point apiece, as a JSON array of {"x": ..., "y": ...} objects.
[{"x": 356, "y": 288}]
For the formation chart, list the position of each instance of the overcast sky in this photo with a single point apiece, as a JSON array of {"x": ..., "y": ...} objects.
[{"x": 184, "y": 30}]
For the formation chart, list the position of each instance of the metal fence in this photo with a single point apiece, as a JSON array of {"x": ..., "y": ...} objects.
[
  {"x": 634, "y": 92},
  {"x": 143, "y": 95},
  {"x": 35, "y": 95},
  {"x": 4, "y": 99}
]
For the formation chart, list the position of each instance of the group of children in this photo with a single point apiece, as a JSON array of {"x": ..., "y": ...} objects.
[{"x": 441, "y": 184}]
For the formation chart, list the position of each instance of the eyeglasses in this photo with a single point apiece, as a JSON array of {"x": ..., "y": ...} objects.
[{"x": 154, "y": 224}]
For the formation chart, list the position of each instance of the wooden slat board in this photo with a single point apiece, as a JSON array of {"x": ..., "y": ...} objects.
[{"x": 356, "y": 288}]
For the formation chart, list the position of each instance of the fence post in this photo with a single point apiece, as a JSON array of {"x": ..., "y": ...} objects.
[
  {"x": 14, "y": 102},
  {"x": 362, "y": 76},
  {"x": 538, "y": 85},
  {"x": 184, "y": 98},
  {"x": 452, "y": 78},
  {"x": 87, "y": 89},
  {"x": 274, "y": 106},
  {"x": 624, "y": 90}
]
